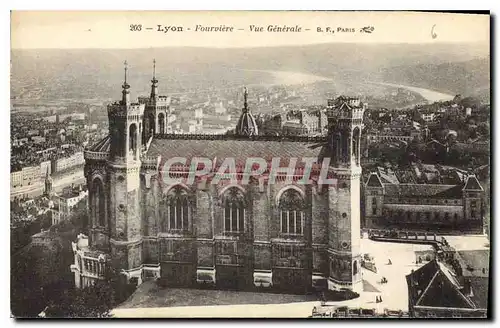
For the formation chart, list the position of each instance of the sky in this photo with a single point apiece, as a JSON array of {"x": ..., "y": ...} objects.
[{"x": 111, "y": 29}]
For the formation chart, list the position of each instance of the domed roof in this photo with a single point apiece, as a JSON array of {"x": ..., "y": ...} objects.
[{"x": 246, "y": 124}]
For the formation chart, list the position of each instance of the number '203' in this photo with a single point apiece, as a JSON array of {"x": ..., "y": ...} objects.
[{"x": 135, "y": 27}]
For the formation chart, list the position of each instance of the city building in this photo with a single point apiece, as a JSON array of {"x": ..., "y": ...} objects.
[
  {"x": 230, "y": 233},
  {"x": 30, "y": 175},
  {"x": 437, "y": 291},
  {"x": 45, "y": 168},
  {"x": 89, "y": 266},
  {"x": 434, "y": 206},
  {"x": 407, "y": 136},
  {"x": 65, "y": 163},
  {"x": 68, "y": 200},
  {"x": 16, "y": 179},
  {"x": 294, "y": 128},
  {"x": 220, "y": 109},
  {"x": 428, "y": 117}
]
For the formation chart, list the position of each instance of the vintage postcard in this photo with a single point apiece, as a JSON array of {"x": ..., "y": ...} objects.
[{"x": 250, "y": 164}]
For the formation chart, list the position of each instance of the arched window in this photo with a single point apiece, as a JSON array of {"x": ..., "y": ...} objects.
[
  {"x": 355, "y": 268},
  {"x": 149, "y": 126},
  {"x": 132, "y": 144},
  {"x": 161, "y": 123},
  {"x": 176, "y": 213},
  {"x": 234, "y": 204},
  {"x": 98, "y": 203},
  {"x": 291, "y": 206}
]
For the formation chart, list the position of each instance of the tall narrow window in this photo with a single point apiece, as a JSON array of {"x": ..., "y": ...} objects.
[
  {"x": 374, "y": 206},
  {"x": 345, "y": 147},
  {"x": 234, "y": 210},
  {"x": 337, "y": 146},
  {"x": 291, "y": 206},
  {"x": 355, "y": 144},
  {"x": 161, "y": 123},
  {"x": 98, "y": 203},
  {"x": 176, "y": 210},
  {"x": 132, "y": 145}
]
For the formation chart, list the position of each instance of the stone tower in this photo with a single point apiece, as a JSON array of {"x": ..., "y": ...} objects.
[
  {"x": 473, "y": 195},
  {"x": 345, "y": 122},
  {"x": 123, "y": 168},
  {"x": 156, "y": 111},
  {"x": 374, "y": 200}
]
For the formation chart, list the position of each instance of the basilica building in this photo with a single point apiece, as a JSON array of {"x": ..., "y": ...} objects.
[{"x": 282, "y": 233}]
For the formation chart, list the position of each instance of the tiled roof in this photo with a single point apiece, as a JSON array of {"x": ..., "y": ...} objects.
[
  {"x": 436, "y": 285},
  {"x": 374, "y": 181},
  {"x": 423, "y": 190},
  {"x": 240, "y": 149},
  {"x": 472, "y": 184},
  {"x": 101, "y": 146}
]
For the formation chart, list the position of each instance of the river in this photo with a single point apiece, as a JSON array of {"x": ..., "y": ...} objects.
[
  {"x": 295, "y": 78},
  {"x": 430, "y": 95}
]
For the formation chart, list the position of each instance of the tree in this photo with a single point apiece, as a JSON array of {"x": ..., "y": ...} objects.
[{"x": 95, "y": 301}]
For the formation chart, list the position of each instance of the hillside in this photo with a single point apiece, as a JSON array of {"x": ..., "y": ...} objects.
[
  {"x": 469, "y": 78},
  {"x": 95, "y": 73}
]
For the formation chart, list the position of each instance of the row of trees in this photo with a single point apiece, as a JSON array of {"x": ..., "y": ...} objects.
[
  {"x": 41, "y": 280},
  {"x": 402, "y": 154}
]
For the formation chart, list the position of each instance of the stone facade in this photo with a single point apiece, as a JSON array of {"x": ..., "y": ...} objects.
[
  {"x": 448, "y": 208},
  {"x": 285, "y": 234}
]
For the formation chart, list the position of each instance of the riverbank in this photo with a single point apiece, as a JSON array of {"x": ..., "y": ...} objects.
[
  {"x": 430, "y": 95},
  {"x": 299, "y": 78},
  {"x": 289, "y": 78}
]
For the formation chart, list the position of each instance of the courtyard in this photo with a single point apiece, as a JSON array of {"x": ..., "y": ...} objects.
[{"x": 152, "y": 301}]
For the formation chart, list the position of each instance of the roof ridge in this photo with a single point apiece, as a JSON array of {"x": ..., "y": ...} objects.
[{"x": 223, "y": 137}]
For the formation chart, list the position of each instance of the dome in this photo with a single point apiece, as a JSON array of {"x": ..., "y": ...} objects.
[{"x": 246, "y": 125}]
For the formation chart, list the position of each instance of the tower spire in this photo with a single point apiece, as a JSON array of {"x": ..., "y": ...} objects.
[
  {"x": 245, "y": 103},
  {"x": 154, "y": 69},
  {"x": 154, "y": 82},
  {"x": 48, "y": 183},
  {"x": 125, "y": 86},
  {"x": 126, "y": 67}
]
